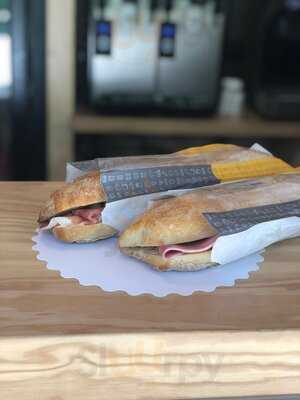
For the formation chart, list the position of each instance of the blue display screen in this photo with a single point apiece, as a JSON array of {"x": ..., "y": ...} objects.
[
  {"x": 103, "y": 28},
  {"x": 168, "y": 30}
]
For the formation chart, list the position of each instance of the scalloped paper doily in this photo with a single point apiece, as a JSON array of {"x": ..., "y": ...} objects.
[{"x": 101, "y": 264}]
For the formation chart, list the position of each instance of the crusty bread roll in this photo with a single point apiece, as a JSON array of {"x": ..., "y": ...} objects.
[
  {"x": 84, "y": 191},
  {"x": 181, "y": 219},
  {"x": 83, "y": 233},
  {"x": 187, "y": 262}
]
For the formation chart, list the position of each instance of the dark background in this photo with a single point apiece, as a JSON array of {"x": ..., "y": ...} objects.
[{"x": 23, "y": 115}]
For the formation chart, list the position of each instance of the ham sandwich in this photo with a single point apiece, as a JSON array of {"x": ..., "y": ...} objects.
[{"x": 175, "y": 234}]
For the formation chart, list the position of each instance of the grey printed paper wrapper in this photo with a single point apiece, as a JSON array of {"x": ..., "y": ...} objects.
[
  {"x": 235, "y": 221},
  {"x": 80, "y": 168},
  {"x": 249, "y": 230},
  {"x": 125, "y": 177},
  {"x": 77, "y": 169},
  {"x": 119, "y": 184}
]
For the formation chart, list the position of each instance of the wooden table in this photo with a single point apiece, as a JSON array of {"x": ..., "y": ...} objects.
[{"x": 59, "y": 340}]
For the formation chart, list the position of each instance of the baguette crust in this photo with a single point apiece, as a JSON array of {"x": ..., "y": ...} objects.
[
  {"x": 181, "y": 219},
  {"x": 181, "y": 263},
  {"x": 171, "y": 221},
  {"x": 83, "y": 233},
  {"x": 83, "y": 192}
]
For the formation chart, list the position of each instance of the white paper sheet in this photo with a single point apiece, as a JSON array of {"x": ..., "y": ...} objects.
[{"x": 101, "y": 264}]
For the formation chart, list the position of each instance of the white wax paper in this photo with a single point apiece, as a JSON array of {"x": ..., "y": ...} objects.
[
  {"x": 62, "y": 221},
  {"x": 232, "y": 247}
]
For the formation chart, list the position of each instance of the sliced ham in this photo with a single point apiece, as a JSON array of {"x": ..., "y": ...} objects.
[
  {"x": 198, "y": 246},
  {"x": 89, "y": 215},
  {"x": 86, "y": 216}
]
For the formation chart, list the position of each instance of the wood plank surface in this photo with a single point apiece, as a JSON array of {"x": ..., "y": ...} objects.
[
  {"x": 250, "y": 125},
  {"x": 59, "y": 340},
  {"x": 150, "y": 366}
]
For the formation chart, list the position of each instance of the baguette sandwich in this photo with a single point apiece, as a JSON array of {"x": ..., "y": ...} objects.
[
  {"x": 175, "y": 234},
  {"x": 73, "y": 213}
]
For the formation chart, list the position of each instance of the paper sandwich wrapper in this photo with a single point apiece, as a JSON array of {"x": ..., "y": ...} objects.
[
  {"x": 255, "y": 239},
  {"x": 125, "y": 177}
]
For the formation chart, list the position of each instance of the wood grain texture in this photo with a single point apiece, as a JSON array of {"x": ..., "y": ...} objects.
[
  {"x": 158, "y": 366},
  {"x": 248, "y": 126},
  {"x": 59, "y": 340}
]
